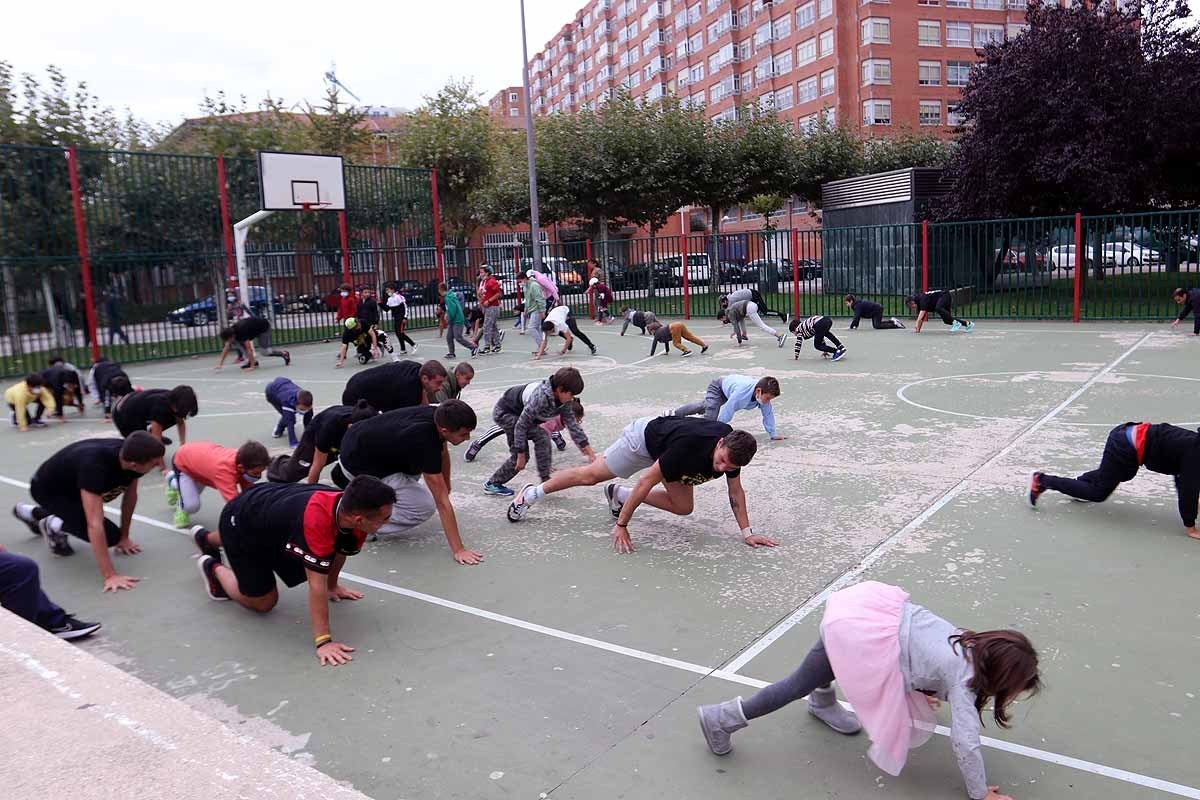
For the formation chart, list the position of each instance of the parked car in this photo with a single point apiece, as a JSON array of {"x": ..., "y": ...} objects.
[
  {"x": 639, "y": 276},
  {"x": 456, "y": 284},
  {"x": 1115, "y": 254},
  {"x": 1016, "y": 256},
  {"x": 1063, "y": 257},
  {"x": 204, "y": 311},
  {"x": 298, "y": 304},
  {"x": 698, "y": 267},
  {"x": 413, "y": 291}
]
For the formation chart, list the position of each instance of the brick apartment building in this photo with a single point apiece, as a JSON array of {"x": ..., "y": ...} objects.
[
  {"x": 507, "y": 107},
  {"x": 881, "y": 65}
]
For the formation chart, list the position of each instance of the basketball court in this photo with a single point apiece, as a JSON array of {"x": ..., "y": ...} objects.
[{"x": 559, "y": 668}]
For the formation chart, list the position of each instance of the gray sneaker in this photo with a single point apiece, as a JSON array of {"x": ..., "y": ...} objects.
[{"x": 58, "y": 543}]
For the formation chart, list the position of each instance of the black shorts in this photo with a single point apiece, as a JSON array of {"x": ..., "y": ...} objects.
[
  {"x": 70, "y": 510},
  {"x": 255, "y": 566},
  {"x": 287, "y": 469},
  {"x": 350, "y": 336}
]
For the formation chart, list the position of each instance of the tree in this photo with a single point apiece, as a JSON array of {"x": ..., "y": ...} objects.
[
  {"x": 229, "y": 127},
  {"x": 904, "y": 151},
  {"x": 765, "y": 205},
  {"x": 503, "y": 199},
  {"x": 452, "y": 133},
  {"x": 825, "y": 153},
  {"x": 334, "y": 128},
  {"x": 1086, "y": 111}
]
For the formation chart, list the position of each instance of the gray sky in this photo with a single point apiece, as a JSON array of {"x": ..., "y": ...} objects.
[{"x": 159, "y": 59}]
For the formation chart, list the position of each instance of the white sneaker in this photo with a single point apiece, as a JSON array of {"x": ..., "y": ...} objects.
[
  {"x": 899, "y": 324},
  {"x": 610, "y": 496},
  {"x": 518, "y": 509}
]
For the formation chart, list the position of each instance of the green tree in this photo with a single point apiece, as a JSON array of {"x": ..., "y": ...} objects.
[
  {"x": 503, "y": 199},
  {"x": 906, "y": 150},
  {"x": 334, "y": 128},
  {"x": 765, "y": 205},
  {"x": 452, "y": 133},
  {"x": 826, "y": 153},
  {"x": 229, "y": 127}
]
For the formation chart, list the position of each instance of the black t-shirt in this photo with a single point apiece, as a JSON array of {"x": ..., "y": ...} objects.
[
  {"x": 684, "y": 448},
  {"x": 300, "y": 518},
  {"x": 405, "y": 440},
  {"x": 351, "y": 335},
  {"x": 93, "y": 465},
  {"x": 104, "y": 371},
  {"x": 57, "y": 377},
  {"x": 386, "y": 387},
  {"x": 250, "y": 328},
  {"x": 929, "y": 300},
  {"x": 136, "y": 411},
  {"x": 324, "y": 433},
  {"x": 367, "y": 313}
]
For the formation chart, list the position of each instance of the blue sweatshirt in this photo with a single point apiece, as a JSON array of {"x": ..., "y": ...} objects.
[
  {"x": 281, "y": 393},
  {"x": 739, "y": 393}
]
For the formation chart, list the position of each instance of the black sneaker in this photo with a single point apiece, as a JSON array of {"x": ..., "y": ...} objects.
[
  {"x": 287, "y": 358},
  {"x": 74, "y": 629},
  {"x": 474, "y": 449},
  {"x": 33, "y": 526},
  {"x": 57, "y": 542},
  {"x": 166, "y": 441},
  {"x": 704, "y": 350},
  {"x": 212, "y": 587},
  {"x": 559, "y": 441},
  {"x": 199, "y": 536},
  {"x": 593, "y": 351},
  {"x": 38, "y": 423},
  {"x": 1035, "y": 488}
]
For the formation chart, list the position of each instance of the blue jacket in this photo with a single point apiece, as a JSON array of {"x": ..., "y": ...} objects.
[
  {"x": 281, "y": 393},
  {"x": 739, "y": 396}
]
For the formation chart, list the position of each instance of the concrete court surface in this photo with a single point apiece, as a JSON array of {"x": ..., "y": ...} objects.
[{"x": 559, "y": 667}]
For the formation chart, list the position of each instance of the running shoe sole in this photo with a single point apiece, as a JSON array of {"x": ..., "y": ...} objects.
[
  {"x": 211, "y": 585},
  {"x": 33, "y": 526}
]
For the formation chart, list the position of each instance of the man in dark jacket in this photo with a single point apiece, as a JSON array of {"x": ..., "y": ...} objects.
[
  {"x": 872, "y": 311},
  {"x": 1190, "y": 300}
]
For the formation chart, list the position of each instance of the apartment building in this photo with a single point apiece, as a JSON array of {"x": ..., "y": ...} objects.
[
  {"x": 874, "y": 63},
  {"x": 507, "y": 107}
]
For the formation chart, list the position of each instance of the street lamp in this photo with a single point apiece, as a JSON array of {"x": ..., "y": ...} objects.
[{"x": 530, "y": 154}]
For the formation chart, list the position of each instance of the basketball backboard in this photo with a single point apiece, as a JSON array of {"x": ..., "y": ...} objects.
[{"x": 297, "y": 181}]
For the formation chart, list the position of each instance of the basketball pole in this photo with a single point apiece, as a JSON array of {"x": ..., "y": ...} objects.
[
  {"x": 535, "y": 237},
  {"x": 241, "y": 230}
]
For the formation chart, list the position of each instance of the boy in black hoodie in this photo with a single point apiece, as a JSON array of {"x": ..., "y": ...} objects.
[
  {"x": 1160, "y": 448},
  {"x": 872, "y": 311}
]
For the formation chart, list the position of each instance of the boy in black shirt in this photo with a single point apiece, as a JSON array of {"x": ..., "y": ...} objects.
[
  {"x": 322, "y": 439},
  {"x": 1160, "y": 448},
  {"x": 109, "y": 381},
  {"x": 71, "y": 487},
  {"x": 241, "y": 332},
  {"x": 397, "y": 385},
  {"x": 367, "y": 313},
  {"x": 303, "y": 534},
  {"x": 1190, "y": 300},
  {"x": 402, "y": 446},
  {"x": 938, "y": 302},
  {"x": 678, "y": 452},
  {"x": 872, "y": 311},
  {"x": 156, "y": 410},
  {"x": 64, "y": 384}
]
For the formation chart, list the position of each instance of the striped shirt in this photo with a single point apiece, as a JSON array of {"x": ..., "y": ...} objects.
[{"x": 805, "y": 330}]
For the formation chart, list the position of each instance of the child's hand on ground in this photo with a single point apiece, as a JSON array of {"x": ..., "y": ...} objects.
[
  {"x": 621, "y": 541},
  {"x": 340, "y": 592},
  {"x": 334, "y": 654},
  {"x": 127, "y": 547},
  {"x": 468, "y": 557},
  {"x": 755, "y": 540},
  {"x": 115, "y": 583},
  {"x": 994, "y": 794}
]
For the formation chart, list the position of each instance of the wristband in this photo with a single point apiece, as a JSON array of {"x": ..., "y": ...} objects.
[
  {"x": 747, "y": 532},
  {"x": 620, "y": 525},
  {"x": 324, "y": 638}
]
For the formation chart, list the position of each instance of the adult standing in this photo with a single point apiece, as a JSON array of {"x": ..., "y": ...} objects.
[
  {"x": 112, "y": 307},
  {"x": 535, "y": 307},
  {"x": 398, "y": 305}
]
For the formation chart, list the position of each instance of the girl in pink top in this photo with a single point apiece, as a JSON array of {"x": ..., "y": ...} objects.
[{"x": 197, "y": 465}]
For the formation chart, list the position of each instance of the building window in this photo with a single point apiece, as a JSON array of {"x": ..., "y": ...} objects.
[
  {"x": 829, "y": 116},
  {"x": 783, "y": 99},
  {"x": 989, "y": 5},
  {"x": 762, "y": 36},
  {"x": 929, "y": 33},
  {"x": 712, "y": 5},
  {"x": 827, "y": 84},
  {"x": 876, "y": 71},
  {"x": 826, "y": 43},
  {"x": 806, "y": 90},
  {"x": 877, "y": 112},
  {"x": 782, "y": 28},
  {"x": 783, "y": 62},
  {"x": 512, "y": 97},
  {"x": 954, "y": 115},
  {"x": 929, "y": 2},
  {"x": 696, "y": 73},
  {"x": 876, "y": 30},
  {"x": 958, "y": 34},
  {"x": 806, "y": 15},
  {"x": 806, "y": 52},
  {"x": 697, "y": 100},
  {"x": 824, "y": 8},
  {"x": 958, "y": 3},
  {"x": 929, "y": 73},
  {"x": 513, "y": 112},
  {"x": 957, "y": 73},
  {"x": 988, "y": 34},
  {"x": 929, "y": 112},
  {"x": 807, "y": 124},
  {"x": 1015, "y": 29}
]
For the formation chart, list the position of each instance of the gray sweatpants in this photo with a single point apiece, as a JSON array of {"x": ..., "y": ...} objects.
[
  {"x": 709, "y": 407},
  {"x": 491, "y": 327},
  {"x": 454, "y": 333},
  {"x": 533, "y": 324},
  {"x": 414, "y": 503},
  {"x": 541, "y": 449}
]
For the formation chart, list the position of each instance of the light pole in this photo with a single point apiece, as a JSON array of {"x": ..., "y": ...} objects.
[{"x": 530, "y": 153}]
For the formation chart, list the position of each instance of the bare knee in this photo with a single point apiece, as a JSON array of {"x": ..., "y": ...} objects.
[{"x": 263, "y": 604}]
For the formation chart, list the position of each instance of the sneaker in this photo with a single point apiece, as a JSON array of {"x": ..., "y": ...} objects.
[
  {"x": 474, "y": 352},
  {"x": 518, "y": 509},
  {"x": 32, "y": 525},
  {"x": 413, "y": 346},
  {"x": 172, "y": 490},
  {"x": 593, "y": 351},
  {"x": 498, "y": 489},
  {"x": 57, "y": 542},
  {"x": 165, "y": 440},
  {"x": 559, "y": 441},
  {"x": 970, "y": 326},
  {"x": 704, "y": 350},
  {"x": 74, "y": 629},
  {"x": 1035, "y": 488},
  {"x": 956, "y": 326},
  {"x": 897, "y": 323},
  {"x": 182, "y": 520},
  {"x": 485, "y": 350},
  {"x": 287, "y": 358},
  {"x": 685, "y": 354},
  {"x": 500, "y": 342},
  {"x": 496, "y": 349},
  {"x": 780, "y": 338},
  {"x": 839, "y": 355},
  {"x": 451, "y": 355},
  {"x": 610, "y": 496},
  {"x": 208, "y": 570},
  {"x": 200, "y": 537},
  {"x": 38, "y": 423},
  {"x": 249, "y": 366},
  {"x": 474, "y": 449}
]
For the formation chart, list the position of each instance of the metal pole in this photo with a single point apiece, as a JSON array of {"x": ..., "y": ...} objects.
[
  {"x": 241, "y": 230},
  {"x": 439, "y": 258},
  {"x": 530, "y": 152},
  {"x": 85, "y": 265},
  {"x": 345, "y": 239},
  {"x": 1077, "y": 288}
]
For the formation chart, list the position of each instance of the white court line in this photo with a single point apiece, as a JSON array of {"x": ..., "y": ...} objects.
[
  {"x": 891, "y": 541},
  {"x": 710, "y": 672}
]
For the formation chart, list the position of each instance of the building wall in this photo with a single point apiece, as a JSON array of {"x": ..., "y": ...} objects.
[
  {"x": 507, "y": 107},
  {"x": 725, "y": 53}
]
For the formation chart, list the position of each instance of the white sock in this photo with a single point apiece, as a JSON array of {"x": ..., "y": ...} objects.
[
  {"x": 55, "y": 523},
  {"x": 533, "y": 494},
  {"x": 25, "y": 511},
  {"x": 623, "y": 493}
]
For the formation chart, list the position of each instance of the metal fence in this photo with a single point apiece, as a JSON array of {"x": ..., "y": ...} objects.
[{"x": 150, "y": 234}]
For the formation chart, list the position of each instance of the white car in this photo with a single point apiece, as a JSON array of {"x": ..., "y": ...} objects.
[
  {"x": 1119, "y": 254},
  {"x": 698, "y": 271}
]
